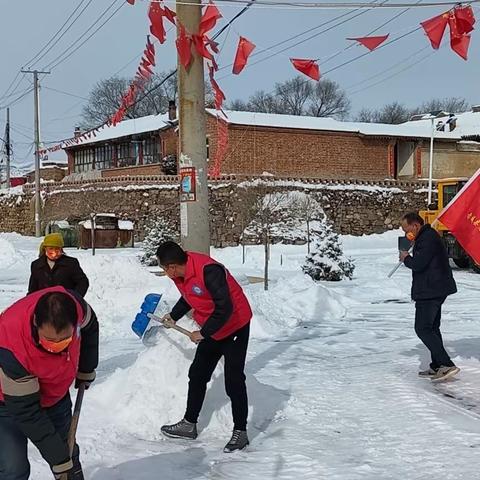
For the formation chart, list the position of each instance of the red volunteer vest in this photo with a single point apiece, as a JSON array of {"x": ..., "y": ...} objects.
[
  {"x": 194, "y": 291},
  {"x": 55, "y": 372}
]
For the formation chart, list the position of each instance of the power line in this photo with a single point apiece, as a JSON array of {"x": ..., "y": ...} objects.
[
  {"x": 16, "y": 100},
  {"x": 54, "y": 38},
  {"x": 62, "y": 57},
  {"x": 64, "y": 93},
  {"x": 330, "y": 6}
]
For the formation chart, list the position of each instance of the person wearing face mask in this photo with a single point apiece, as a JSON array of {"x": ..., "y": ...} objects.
[
  {"x": 53, "y": 268},
  {"x": 48, "y": 340},
  {"x": 223, "y": 313},
  {"x": 432, "y": 282}
]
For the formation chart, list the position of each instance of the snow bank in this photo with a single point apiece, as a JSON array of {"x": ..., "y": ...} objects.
[{"x": 8, "y": 254}]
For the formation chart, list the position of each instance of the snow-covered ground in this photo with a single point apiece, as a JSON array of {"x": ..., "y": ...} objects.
[{"x": 331, "y": 373}]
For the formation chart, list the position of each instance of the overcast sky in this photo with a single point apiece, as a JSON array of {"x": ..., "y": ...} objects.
[{"x": 409, "y": 75}]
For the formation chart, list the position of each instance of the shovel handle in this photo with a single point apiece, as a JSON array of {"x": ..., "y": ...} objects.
[
  {"x": 75, "y": 418},
  {"x": 186, "y": 332}
]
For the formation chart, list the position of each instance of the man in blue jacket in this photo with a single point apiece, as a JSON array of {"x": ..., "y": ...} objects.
[{"x": 432, "y": 282}]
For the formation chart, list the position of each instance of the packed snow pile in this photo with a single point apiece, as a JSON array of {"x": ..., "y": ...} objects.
[{"x": 8, "y": 254}]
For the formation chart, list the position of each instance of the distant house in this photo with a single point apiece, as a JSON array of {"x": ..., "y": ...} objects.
[
  {"x": 49, "y": 171},
  {"x": 284, "y": 145}
]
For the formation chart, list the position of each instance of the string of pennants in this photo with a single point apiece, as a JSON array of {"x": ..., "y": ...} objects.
[{"x": 460, "y": 20}]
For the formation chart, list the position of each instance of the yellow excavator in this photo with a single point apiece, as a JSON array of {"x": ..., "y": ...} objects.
[{"x": 447, "y": 189}]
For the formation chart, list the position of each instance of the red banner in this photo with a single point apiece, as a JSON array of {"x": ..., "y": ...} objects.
[{"x": 462, "y": 217}]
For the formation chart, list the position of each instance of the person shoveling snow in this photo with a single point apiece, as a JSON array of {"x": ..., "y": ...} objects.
[
  {"x": 47, "y": 340},
  {"x": 222, "y": 310}
]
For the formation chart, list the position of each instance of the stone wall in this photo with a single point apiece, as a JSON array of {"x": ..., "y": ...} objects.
[{"x": 353, "y": 209}]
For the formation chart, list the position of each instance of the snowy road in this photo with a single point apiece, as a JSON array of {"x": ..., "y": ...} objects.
[{"x": 332, "y": 376}]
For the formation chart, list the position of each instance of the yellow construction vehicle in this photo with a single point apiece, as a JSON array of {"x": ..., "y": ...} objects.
[{"x": 447, "y": 189}]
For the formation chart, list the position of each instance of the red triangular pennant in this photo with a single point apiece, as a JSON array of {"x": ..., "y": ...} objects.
[
  {"x": 131, "y": 2},
  {"x": 460, "y": 45},
  {"x": 209, "y": 19},
  {"x": 244, "y": 49},
  {"x": 308, "y": 67},
  {"x": 183, "y": 43},
  {"x": 370, "y": 42},
  {"x": 155, "y": 14},
  {"x": 150, "y": 51},
  {"x": 435, "y": 28}
]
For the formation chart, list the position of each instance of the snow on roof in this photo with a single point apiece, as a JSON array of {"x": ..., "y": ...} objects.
[
  {"x": 468, "y": 123},
  {"x": 126, "y": 128},
  {"x": 414, "y": 130}
]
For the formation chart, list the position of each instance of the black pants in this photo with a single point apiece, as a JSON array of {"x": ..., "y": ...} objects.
[
  {"x": 209, "y": 352},
  {"x": 14, "y": 463},
  {"x": 428, "y": 314}
]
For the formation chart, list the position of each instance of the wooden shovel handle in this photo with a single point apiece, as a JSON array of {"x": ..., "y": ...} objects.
[{"x": 186, "y": 332}]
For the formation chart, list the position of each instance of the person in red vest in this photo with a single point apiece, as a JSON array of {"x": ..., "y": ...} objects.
[
  {"x": 48, "y": 339},
  {"x": 222, "y": 311}
]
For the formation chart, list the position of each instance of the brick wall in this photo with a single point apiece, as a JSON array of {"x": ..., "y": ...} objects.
[
  {"x": 353, "y": 210},
  {"x": 255, "y": 150}
]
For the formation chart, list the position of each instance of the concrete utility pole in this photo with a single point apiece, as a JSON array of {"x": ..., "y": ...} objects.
[
  {"x": 430, "y": 163},
  {"x": 8, "y": 148},
  {"x": 194, "y": 212},
  {"x": 38, "y": 229}
]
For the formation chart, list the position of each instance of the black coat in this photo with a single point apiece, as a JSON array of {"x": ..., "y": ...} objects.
[
  {"x": 66, "y": 273},
  {"x": 432, "y": 275}
]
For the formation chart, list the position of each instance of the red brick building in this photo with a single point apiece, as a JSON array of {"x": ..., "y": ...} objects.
[{"x": 281, "y": 145}]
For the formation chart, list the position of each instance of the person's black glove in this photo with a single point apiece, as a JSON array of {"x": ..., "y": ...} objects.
[
  {"x": 84, "y": 379},
  {"x": 63, "y": 471}
]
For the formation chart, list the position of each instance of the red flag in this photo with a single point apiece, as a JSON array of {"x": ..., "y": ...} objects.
[
  {"x": 131, "y": 2},
  {"x": 465, "y": 18},
  {"x": 370, "y": 42},
  {"x": 462, "y": 217},
  {"x": 169, "y": 14},
  {"x": 435, "y": 28},
  {"x": 184, "y": 43},
  {"x": 244, "y": 49},
  {"x": 155, "y": 14},
  {"x": 200, "y": 43},
  {"x": 209, "y": 19},
  {"x": 460, "y": 45},
  {"x": 219, "y": 95},
  {"x": 307, "y": 67}
]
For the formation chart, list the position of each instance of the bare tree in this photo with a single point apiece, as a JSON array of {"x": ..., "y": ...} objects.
[
  {"x": 299, "y": 97},
  {"x": 105, "y": 97},
  {"x": 263, "y": 207},
  {"x": 293, "y": 95},
  {"x": 449, "y": 104},
  {"x": 328, "y": 100},
  {"x": 309, "y": 210},
  {"x": 367, "y": 115}
]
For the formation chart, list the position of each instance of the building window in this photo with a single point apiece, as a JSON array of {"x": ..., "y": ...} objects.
[
  {"x": 151, "y": 150},
  {"x": 84, "y": 160},
  {"x": 103, "y": 157},
  {"x": 125, "y": 155}
]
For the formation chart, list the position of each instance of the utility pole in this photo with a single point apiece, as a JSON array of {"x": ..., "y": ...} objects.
[
  {"x": 38, "y": 229},
  {"x": 8, "y": 147},
  {"x": 194, "y": 212},
  {"x": 430, "y": 163}
]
